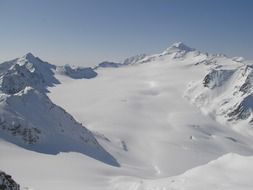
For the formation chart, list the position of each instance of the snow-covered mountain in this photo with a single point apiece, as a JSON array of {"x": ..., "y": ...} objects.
[
  {"x": 76, "y": 72},
  {"x": 29, "y": 119},
  {"x": 134, "y": 59},
  {"x": 178, "y": 49},
  {"x": 211, "y": 93},
  {"x": 166, "y": 119},
  {"x": 128, "y": 61},
  {"x": 225, "y": 92},
  {"x": 26, "y": 71},
  {"x": 108, "y": 64}
]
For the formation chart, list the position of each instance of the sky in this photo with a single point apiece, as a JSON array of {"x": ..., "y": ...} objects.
[{"x": 86, "y": 32}]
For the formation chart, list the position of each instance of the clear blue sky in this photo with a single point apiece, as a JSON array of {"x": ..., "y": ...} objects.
[{"x": 85, "y": 32}]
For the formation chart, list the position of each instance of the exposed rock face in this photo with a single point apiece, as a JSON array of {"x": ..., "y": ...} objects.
[
  {"x": 26, "y": 71},
  {"x": 108, "y": 64},
  {"x": 18, "y": 77},
  {"x": 77, "y": 72},
  {"x": 242, "y": 111},
  {"x": 226, "y": 91},
  {"x": 7, "y": 183},
  {"x": 216, "y": 78},
  {"x": 247, "y": 76}
]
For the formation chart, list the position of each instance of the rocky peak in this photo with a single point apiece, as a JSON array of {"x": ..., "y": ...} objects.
[
  {"x": 7, "y": 183},
  {"x": 178, "y": 47}
]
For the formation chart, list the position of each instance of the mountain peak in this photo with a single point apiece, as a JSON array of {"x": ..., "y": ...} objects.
[
  {"x": 181, "y": 46},
  {"x": 178, "y": 47},
  {"x": 29, "y": 56}
]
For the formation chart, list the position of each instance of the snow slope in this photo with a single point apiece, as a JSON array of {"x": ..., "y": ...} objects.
[
  {"x": 109, "y": 64},
  {"x": 28, "y": 70},
  {"x": 139, "y": 115},
  {"x": 229, "y": 172}
]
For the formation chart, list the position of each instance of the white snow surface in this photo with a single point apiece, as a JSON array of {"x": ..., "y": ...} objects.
[
  {"x": 141, "y": 115},
  {"x": 229, "y": 172}
]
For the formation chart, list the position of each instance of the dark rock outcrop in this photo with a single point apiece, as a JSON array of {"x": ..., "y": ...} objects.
[{"x": 7, "y": 183}]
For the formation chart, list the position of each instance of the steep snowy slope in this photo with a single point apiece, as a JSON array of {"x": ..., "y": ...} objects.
[
  {"x": 28, "y": 70},
  {"x": 225, "y": 92},
  {"x": 109, "y": 64},
  {"x": 29, "y": 119},
  {"x": 134, "y": 59}
]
